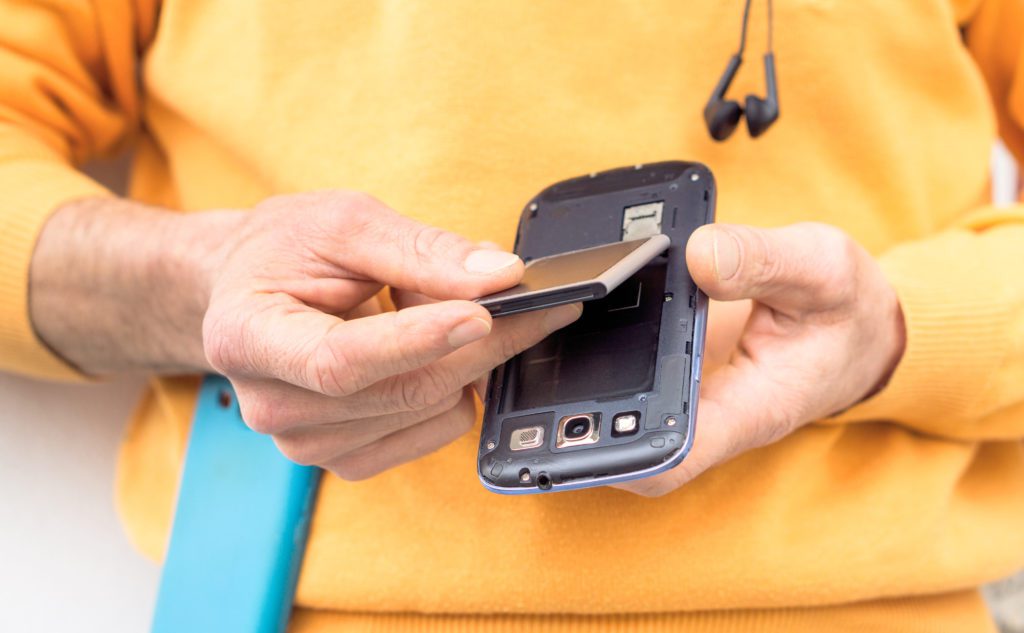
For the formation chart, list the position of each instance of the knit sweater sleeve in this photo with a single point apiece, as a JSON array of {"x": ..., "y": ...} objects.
[
  {"x": 962, "y": 291},
  {"x": 68, "y": 71}
]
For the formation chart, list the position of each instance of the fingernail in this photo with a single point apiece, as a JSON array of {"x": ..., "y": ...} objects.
[
  {"x": 468, "y": 331},
  {"x": 562, "y": 316},
  {"x": 488, "y": 262},
  {"x": 726, "y": 249}
]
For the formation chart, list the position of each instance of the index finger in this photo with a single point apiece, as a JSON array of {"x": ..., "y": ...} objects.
[{"x": 380, "y": 244}]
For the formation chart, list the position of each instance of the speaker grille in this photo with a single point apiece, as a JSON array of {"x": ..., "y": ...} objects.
[{"x": 530, "y": 437}]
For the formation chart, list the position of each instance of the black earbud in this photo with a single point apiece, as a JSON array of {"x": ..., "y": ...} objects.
[
  {"x": 723, "y": 115},
  {"x": 761, "y": 113}
]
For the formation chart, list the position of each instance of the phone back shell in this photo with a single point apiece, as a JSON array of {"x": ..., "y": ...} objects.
[{"x": 581, "y": 213}]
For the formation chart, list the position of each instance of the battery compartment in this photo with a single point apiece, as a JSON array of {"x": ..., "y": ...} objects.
[{"x": 609, "y": 352}]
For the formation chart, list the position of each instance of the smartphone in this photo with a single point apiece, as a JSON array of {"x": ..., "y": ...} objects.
[
  {"x": 581, "y": 275},
  {"x": 613, "y": 396}
]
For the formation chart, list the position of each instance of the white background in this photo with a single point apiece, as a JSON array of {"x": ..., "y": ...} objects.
[{"x": 65, "y": 564}]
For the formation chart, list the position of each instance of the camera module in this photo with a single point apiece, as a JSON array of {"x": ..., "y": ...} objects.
[
  {"x": 577, "y": 427},
  {"x": 574, "y": 430}
]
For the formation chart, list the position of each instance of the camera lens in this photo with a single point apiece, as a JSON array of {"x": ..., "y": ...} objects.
[{"x": 577, "y": 428}]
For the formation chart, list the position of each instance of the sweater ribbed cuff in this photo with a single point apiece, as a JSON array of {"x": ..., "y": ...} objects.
[
  {"x": 943, "y": 613},
  {"x": 957, "y": 323},
  {"x": 30, "y": 191}
]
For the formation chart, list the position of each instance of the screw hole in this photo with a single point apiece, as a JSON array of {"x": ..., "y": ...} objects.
[
  {"x": 224, "y": 398},
  {"x": 543, "y": 481}
]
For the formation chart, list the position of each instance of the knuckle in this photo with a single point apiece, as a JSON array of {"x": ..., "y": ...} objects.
[
  {"x": 353, "y": 468},
  {"x": 392, "y": 423},
  {"x": 361, "y": 199},
  {"x": 300, "y": 450},
  {"x": 508, "y": 346},
  {"x": 830, "y": 241},
  {"x": 358, "y": 203},
  {"x": 513, "y": 343},
  {"x": 345, "y": 214},
  {"x": 423, "y": 389},
  {"x": 407, "y": 395},
  {"x": 837, "y": 267},
  {"x": 762, "y": 263},
  {"x": 260, "y": 415},
  {"x": 450, "y": 401},
  {"x": 409, "y": 334},
  {"x": 412, "y": 395},
  {"x": 333, "y": 373},
  {"x": 427, "y": 241},
  {"x": 386, "y": 425}
]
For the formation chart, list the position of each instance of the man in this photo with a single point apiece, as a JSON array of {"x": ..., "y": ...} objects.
[{"x": 858, "y": 461}]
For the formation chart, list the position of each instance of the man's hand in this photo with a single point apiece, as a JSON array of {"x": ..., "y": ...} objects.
[
  {"x": 281, "y": 301},
  {"x": 825, "y": 330},
  {"x": 359, "y": 395}
]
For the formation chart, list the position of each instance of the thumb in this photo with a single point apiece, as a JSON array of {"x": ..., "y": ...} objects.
[{"x": 797, "y": 268}]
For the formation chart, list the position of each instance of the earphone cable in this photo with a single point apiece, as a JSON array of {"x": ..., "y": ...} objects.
[
  {"x": 746, "y": 19},
  {"x": 743, "y": 32}
]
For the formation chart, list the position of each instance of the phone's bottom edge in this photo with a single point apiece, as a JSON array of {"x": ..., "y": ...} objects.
[{"x": 599, "y": 481}]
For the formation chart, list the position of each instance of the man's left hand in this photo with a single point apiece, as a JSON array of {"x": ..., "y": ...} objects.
[{"x": 825, "y": 331}]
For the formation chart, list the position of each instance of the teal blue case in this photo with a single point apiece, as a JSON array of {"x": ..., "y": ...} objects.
[{"x": 239, "y": 530}]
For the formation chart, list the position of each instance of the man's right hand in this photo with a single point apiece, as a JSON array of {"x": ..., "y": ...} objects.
[
  {"x": 286, "y": 319},
  {"x": 359, "y": 395}
]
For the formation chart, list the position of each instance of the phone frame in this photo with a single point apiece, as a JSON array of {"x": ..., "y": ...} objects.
[{"x": 581, "y": 213}]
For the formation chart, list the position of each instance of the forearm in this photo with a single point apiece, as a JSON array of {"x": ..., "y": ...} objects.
[{"x": 117, "y": 286}]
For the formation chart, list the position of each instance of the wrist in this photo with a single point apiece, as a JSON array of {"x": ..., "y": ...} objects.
[
  {"x": 894, "y": 337},
  {"x": 186, "y": 266},
  {"x": 119, "y": 286}
]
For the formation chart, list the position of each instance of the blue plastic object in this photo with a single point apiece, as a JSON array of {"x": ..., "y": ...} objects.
[{"x": 239, "y": 528}]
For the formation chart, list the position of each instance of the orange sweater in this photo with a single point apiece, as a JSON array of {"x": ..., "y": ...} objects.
[{"x": 456, "y": 113}]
